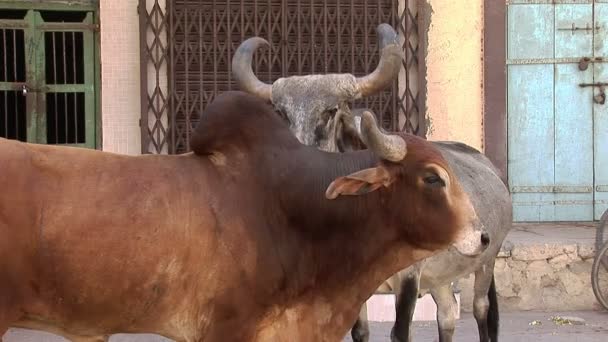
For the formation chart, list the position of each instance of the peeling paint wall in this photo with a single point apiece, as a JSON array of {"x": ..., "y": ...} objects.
[
  {"x": 120, "y": 76},
  {"x": 454, "y": 70}
]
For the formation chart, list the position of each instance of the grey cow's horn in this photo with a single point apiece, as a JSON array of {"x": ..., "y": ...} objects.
[
  {"x": 390, "y": 147},
  {"x": 242, "y": 71},
  {"x": 389, "y": 65}
]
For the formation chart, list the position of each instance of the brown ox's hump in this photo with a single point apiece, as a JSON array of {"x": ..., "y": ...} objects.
[{"x": 238, "y": 118}]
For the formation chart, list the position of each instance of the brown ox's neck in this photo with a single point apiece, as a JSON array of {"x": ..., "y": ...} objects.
[{"x": 346, "y": 246}]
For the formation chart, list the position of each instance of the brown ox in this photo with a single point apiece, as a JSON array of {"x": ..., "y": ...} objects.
[{"x": 237, "y": 242}]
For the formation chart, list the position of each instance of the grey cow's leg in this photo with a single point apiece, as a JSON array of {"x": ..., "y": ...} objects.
[
  {"x": 406, "y": 295},
  {"x": 446, "y": 311},
  {"x": 360, "y": 331},
  {"x": 484, "y": 291}
]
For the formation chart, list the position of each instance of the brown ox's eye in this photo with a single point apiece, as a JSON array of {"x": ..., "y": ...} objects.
[{"x": 434, "y": 180}]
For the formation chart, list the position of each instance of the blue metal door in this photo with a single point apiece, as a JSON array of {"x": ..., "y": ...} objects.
[{"x": 557, "y": 123}]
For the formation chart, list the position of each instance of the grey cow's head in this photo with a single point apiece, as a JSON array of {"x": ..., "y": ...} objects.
[{"x": 316, "y": 106}]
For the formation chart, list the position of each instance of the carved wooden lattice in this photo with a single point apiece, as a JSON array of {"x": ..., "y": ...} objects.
[{"x": 306, "y": 37}]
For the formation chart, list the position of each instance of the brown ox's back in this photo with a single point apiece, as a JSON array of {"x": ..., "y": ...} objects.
[{"x": 96, "y": 230}]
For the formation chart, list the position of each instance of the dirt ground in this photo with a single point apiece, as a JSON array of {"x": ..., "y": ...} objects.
[{"x": 515, "y": 327}]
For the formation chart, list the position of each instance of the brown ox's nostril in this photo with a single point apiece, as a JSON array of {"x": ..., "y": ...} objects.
[{"x": 485, "y": 239}]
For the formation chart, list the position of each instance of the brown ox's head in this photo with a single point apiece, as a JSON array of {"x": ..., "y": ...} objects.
[
  {"x": 316, "y": 106},
  {"x": 425, "y": 184}
]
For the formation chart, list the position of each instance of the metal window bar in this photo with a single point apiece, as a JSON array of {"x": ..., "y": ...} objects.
[
  {"x": 65, "y": 110},
  {"x": 192, "y": 43},
  {"x": 5, "y": 78}
]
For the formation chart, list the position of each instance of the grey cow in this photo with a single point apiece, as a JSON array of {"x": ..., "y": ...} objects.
[{"x": 316, "y": 107}]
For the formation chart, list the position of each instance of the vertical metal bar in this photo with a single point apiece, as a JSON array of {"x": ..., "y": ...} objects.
[
  {"x": 14, "y": 55},
  {"x": 187, "y": 70},
  {"x": 313, "y": 58},
  {"x": 29, "y": 38},
  {"x": 299, "y": 48},
  {"x": 406, "y": 53},
  {"x": 256, "y": 32},
  {"x": 170, "y": 11},
  {"x": 5, "y": 95},
  {"x": 352, "y": 38},
  {"x": 214, "y": 9},
  {"x": 284, "y": 51},
  {"x": 76, "y": 117},
  {"x": 54, "y": 58},
  {"x": 65, "y": 81},
  {"x": 64, "y": 57},
  {"x": 75, "y": 81},
  {"x": 74, "y": 57},
  {"x": 201, "y": 57},
  {"x": 17, "y": 114},
  {"x": 5, "y": 63},
  {"x": 325, "y": 43},
  {"x": 365, "y": 45},
  {"x": 229, "y": 44},
  {"x": 420, "y": 99},
  {"x": 395, "y": 89},
  {"x": 242, "y": 9},
  {"x": 269, "y": 33},
  {"x": 379, "y": 94},
  {"x": 143, "y": 72},
  {"x": 88, "y": 45},
  {"x": 56, "y": 97},
  {"x": 339, "y": 41}
]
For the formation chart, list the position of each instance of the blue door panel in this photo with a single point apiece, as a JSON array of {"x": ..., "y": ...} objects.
[
  {"x": 573, "y": 183},
  {"x": 530, "y": 31},
  {"x": 573, "y": 43},
  {"x": 530, "y": 141}
]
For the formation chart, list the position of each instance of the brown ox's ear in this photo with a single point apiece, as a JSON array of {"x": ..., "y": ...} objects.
[{"x": 360, "y": 183}]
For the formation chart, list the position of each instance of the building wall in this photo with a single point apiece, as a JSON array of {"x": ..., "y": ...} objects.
[
  {"x": 120, "y": 76},
  {"x": 454, "y": 71}
]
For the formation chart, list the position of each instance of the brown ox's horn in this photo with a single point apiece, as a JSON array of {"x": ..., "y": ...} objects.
[
  {"x": 389, "y": 65},
  {"x": 385, "y": 146},
  {"x": 242, "y": 71}
]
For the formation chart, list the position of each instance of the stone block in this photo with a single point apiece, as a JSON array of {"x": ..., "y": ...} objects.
[{"x": 586, "y": 251}]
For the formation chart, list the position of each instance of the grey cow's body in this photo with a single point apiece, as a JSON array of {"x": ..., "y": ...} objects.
[{"x": 492, "y": 203}]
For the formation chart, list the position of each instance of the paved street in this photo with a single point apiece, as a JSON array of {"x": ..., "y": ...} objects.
[{"x": 515, "y": 327}]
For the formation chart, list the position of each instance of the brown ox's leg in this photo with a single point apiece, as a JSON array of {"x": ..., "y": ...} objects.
[{"x": 446, "y": 311}]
